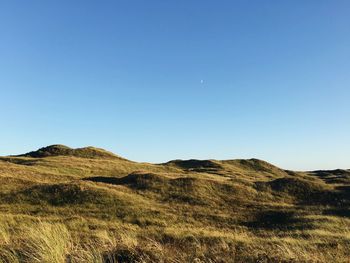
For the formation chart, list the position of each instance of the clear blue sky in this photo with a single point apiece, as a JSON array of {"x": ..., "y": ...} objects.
[{"x": 160, "y": 80}]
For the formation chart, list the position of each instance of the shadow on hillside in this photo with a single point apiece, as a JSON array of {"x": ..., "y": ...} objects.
[
  {"x": 343, "y": 212},
  {"x": 56, "y": 195},
  {"x": 137, "y": 180},
  {"x": 18, "y": 161},
  {"x": 343, "y": 207},
  {"x": 103, "y": 179},
  {"x": 334, "y": 176},
  {"x": 305, "y": 192},
  {"x": 276, "y": 219},
  {"x": 201, "y": 166}
]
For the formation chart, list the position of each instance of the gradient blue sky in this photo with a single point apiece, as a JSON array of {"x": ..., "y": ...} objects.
[{"x": 126, "y": 76}]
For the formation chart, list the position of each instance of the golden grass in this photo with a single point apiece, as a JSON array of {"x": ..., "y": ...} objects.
[
  {"x": 51, "y": 210},
  {"x": 46, "y": 243}
]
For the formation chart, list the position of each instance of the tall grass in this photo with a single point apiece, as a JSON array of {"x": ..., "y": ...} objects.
[{"x": 46, "y": 243}]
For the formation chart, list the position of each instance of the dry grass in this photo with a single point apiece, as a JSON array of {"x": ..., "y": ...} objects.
[
  {"x": 46, "y": 243},
  {"x": 88, "y": 205}
]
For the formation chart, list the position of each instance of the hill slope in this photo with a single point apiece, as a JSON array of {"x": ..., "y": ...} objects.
[
  {"x": 62, "y": 150},
  {"x": 89, "y": 205}
]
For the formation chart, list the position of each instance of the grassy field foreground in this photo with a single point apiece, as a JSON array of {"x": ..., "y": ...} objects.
[{"x": 59, "y": 205}]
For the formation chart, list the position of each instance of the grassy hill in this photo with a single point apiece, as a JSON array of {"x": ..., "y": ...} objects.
[{"x": 59, "y": 204}]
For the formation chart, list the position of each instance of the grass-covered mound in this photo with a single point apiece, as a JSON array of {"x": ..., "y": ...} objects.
[
  {"x": 193, "y": 190},
  {"x": 303, "y": 191},
  {"x": 60, "y": 204},
  {"x": 255, "y": 166},
  {"x": 337, "y": 176},
  {"x": 62, "y": 150}
]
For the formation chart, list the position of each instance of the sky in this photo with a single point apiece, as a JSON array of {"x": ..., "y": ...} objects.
[{"x": 159, "y": 80}]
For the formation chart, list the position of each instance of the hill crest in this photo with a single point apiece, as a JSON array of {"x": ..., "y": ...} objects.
[{"x": 63, "y": 150}]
